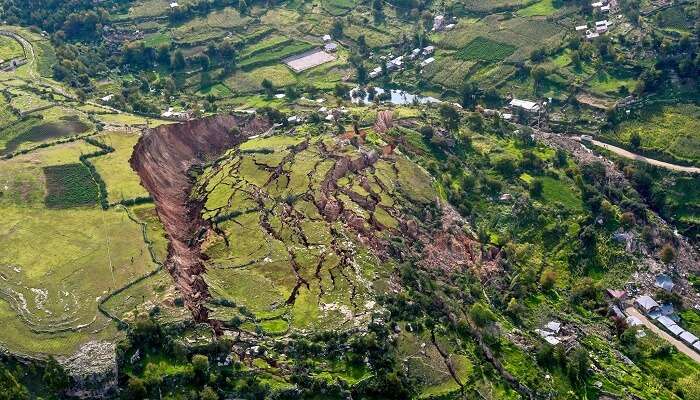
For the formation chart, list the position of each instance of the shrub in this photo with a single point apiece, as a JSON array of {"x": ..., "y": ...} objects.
[{"x": 668, "y": 253}]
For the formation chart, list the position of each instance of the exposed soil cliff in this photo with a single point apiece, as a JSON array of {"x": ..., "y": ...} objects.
[{"x": 162, "y": 158}]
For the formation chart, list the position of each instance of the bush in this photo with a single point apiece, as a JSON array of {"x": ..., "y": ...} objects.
[{"x": 668, "y": 253}]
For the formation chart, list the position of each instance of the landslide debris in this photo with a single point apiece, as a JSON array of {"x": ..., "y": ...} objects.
[
  {"x": 306, "y": 231},
  {"x": 163, "y": 158}
]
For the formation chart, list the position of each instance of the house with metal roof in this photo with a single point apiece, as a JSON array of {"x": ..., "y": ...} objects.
[
  {"x": 646, "y": 304},
  {"x": 676, "y": 330},
  {"x": 529, "y": 106},
  {"x": 664, "y": 282},
  {"x": 688, "y": 337}
]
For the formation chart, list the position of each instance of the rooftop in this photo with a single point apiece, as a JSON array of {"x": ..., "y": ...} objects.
[{"x": 646, "y": 302}]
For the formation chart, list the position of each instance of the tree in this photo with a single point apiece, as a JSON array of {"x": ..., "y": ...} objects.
[
  {"x": 10, "y": 388},
  {"x": 342, "y": 91},
  {"x": 55, "y": 376},
  {"x": 548, "y": 279},
  {"x": 208, "y": 394},
  {"x": 538, "y": 75},
  {"x": 337, "y": 28},
  {"x": 635, "y": 140},
  {"x": 536, "y": 188},
  {"x": 449, "y": 115},
  {"x": 204, "y": 62},
  {"x": 577, "y": 366},
  {"x": 361, "y": 73},
  {"x": 136, "y": 389},
  {"x": 178, "y": 61},
  {"x": 200, "y": 367},
  {"x": 668, "y": 253},
  {"x": 242, "y": 7},
  {"x": 268, "y": 87}
]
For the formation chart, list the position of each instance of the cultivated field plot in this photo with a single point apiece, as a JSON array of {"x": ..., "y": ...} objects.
[
  {"x": 522, "y": 35},
  {"x": 9, "y": 49},
  {"x": 58, "y": 263},
  {"x": 308, "y": 60},
  {"x": 485, "y": 50},
  {"x": 36, "y": 129}
]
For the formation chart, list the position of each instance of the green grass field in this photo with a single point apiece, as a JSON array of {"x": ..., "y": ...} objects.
[
  {"x": 673, "y": 130},
  {"x": 10, "y": 48},
  {"x": 541, "y": 8},
  {"x": 58, "y": 263},
  {"x": 122, "y": 182}
]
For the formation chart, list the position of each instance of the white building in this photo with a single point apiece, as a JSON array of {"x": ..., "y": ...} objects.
[
  {"x": 428, "y": 50},
  {"x": 427, "y": 61},
  {"x": 529, "y": 106},
  {"x": 688, "y": 338},
  {"x": 438, "y": 22},
  {"x": 327, "y": 38}
]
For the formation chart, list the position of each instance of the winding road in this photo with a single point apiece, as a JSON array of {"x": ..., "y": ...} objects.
[{"x": 628, "y": 154}]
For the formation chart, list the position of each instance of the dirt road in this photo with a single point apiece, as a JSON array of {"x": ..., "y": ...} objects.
[
  {"x": 664, "y": 335},
  {"x": 627, "y": 154}
]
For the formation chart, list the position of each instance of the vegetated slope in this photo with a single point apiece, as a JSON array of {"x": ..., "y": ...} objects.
[
  {"x": 308, "y": 230},
  {"x": 163, "y": 158}
]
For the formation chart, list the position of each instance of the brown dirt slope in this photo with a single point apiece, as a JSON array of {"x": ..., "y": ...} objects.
[{"x": 162, "y": 158}]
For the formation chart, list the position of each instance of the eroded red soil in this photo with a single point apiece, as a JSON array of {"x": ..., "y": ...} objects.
[{"x": 163, "y": 158}]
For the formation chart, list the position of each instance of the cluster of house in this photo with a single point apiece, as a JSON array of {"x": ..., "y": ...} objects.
[
  {"x": 665, "y": 317},
  {"x": 178, "y": 115},
  {"x": 440, "y": 23},
  {"x": 601, "y": 27},
  {"x": 397, "y": 63},
  {"x": 329, "y": 45},
  {"x": 550, "y": 332},
  {"x": 601, "y": 5}
]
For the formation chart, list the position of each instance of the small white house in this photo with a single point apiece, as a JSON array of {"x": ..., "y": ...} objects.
[
  {"x": 428, "y": 50},
  {"x": 174, "y": 5},
  {"x": 605, "y": 8},
  {"x": 327, "y": 38},
  {"x": 427, "y": 61},
  {"x": 529, "y": 106},
  {"x": 330, "y": 47}
]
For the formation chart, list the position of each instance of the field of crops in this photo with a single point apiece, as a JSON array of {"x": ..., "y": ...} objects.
[
  {"x": 70, "y": 185},
  {"x": 524, "y": 34},
  {"x": 483, "y": 49}
]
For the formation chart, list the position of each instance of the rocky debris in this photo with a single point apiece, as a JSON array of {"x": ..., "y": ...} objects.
[
  {"x": 385, "y": 121},
  {"x": 454, "y": 246},
  {"x": 163, "y": 159},
  {"x": 93, "y": 369}
]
